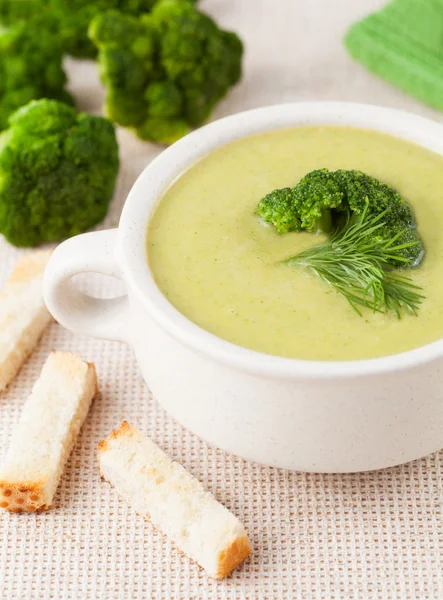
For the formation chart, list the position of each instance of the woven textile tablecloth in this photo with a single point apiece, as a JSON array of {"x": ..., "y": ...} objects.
[{"x": 370, "y": 535}]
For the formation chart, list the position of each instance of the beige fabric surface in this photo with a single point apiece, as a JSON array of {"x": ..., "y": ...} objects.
[{"x": 371, "y": 535}]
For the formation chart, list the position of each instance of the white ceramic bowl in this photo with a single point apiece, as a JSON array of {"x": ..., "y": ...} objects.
[{"x": 297, "y": 414}]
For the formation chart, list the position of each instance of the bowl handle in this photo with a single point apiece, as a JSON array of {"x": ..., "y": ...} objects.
[{"x": 90, "y": 252}]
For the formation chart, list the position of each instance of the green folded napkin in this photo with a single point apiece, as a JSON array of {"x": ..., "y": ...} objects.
[{"x": 403, "y": 44}]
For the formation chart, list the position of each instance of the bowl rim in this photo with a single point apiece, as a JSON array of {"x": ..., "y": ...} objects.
[{"x": 167, "y": 166}]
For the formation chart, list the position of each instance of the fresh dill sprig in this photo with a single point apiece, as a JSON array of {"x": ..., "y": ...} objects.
[{"x": 357, "y": 262}]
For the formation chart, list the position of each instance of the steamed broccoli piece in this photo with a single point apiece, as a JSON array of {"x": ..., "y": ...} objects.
[
  {"x": 164, "y": 71},
  {"x": 30, "y": 67},
  {"x": 306, "y": 206},
  {"x": 324, "y": 200},
  {"x": 57, "y": 172},
  {"x": 73, "y": 17},
  {"x": 276, "y": 208}
]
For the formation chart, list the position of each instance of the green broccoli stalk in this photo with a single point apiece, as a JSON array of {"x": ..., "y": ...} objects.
[
  {"x": 73, "y": 17},
  {"x": 325, "y": 200},
  {"x": 164, "y": 71},
  {"x": 57, "y": 172},
  {"x": 30, "y": 67}
]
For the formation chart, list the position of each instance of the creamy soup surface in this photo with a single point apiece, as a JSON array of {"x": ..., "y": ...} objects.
[{"x": 221, "y": 267}]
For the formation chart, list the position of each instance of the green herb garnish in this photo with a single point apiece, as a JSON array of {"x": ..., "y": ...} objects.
[{"x": 358, "y": 263}]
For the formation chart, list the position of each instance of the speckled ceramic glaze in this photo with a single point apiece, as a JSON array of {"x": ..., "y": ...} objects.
[{"x": 304, "y": 415}]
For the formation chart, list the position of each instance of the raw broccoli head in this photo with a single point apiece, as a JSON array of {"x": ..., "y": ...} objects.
[
  {"x": 30, "y": 67},
  {"x": 73, "y": 17},
  {"x": 164, "y": 71},
  {"x": 324, "y": 200},
  {"x": 57, "y": 172}
]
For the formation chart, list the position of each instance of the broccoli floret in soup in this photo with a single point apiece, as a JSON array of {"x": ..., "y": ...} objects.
[{"x": 331, "y": 200}]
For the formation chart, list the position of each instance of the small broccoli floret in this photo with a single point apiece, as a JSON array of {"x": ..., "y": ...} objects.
[
  {"x": 277, "y": 208},
  {"x": 57, "y": 172},
  {"x": 306, "y": 206},
  {"x": 325, "y": 200},
  {"x": 30, "y": 67},
  {"x": 164, "y": 71}
]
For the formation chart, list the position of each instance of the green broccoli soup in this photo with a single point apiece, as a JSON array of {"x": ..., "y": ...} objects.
[{"x": 286, "y": 242}]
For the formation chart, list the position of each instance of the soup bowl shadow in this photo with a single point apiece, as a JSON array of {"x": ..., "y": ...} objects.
[{"x": 334, "y": 416}]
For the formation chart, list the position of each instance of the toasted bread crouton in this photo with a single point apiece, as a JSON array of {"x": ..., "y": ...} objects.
[
  {"x": 23, "y": 314},
  {"x": 45, "y": 435},
  {"x": 173, "y": 500}
]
